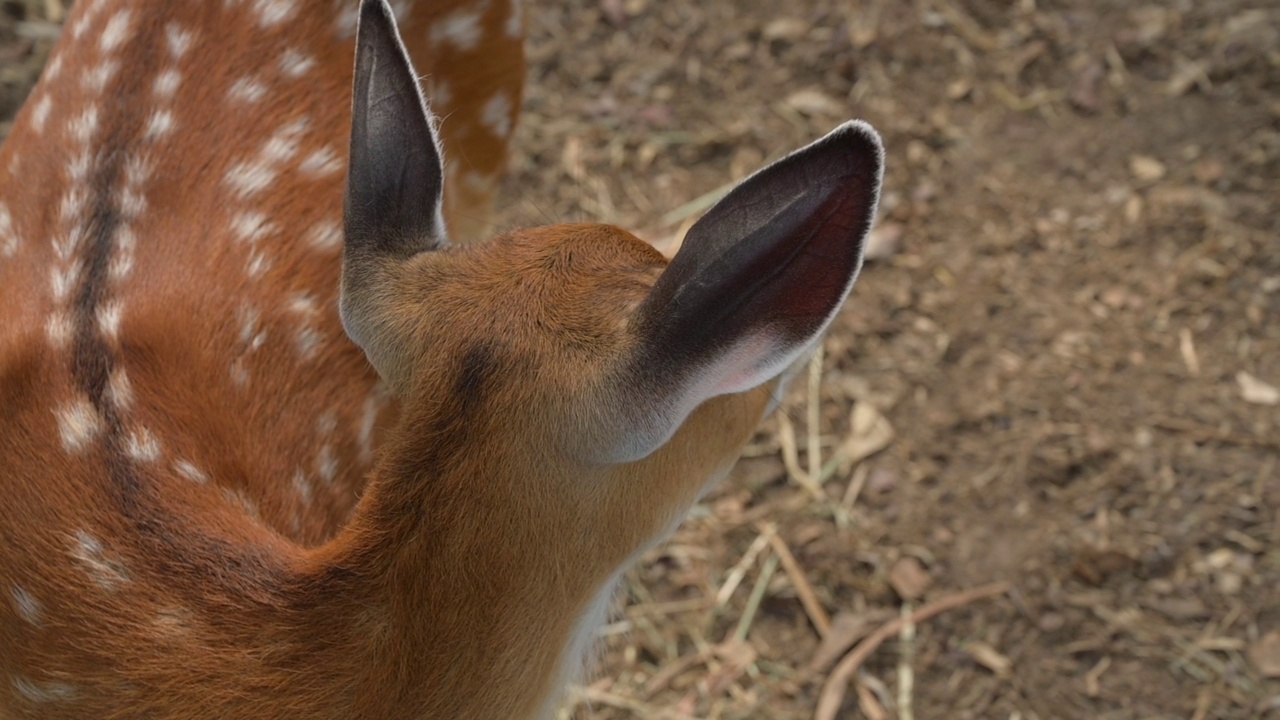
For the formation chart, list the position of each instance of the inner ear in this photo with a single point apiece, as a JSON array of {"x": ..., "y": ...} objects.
[
  {"x": 395, "y": 183},
  {"x": 755, "y": 284},
  {"x": 395, "y": 179}
]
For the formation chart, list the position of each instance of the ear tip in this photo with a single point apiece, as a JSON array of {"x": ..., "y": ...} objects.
[
  {"x": 861, "y": 138},
  {"x": 376, "y": 13}
]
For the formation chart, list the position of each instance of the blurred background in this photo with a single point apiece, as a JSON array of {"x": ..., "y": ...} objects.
[{"x": 1037, "y": 471}]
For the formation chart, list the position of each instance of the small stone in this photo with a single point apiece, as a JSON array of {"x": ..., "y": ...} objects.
[{"x": 1146, "y": 168}]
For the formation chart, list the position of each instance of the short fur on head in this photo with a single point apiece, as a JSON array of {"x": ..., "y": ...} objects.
[{"x": 586, "y": 389}]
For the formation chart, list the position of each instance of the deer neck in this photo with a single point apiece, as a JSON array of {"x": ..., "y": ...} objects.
[
  {"x": 453, "y": 591},
  {"x": 472, "y": 575}
]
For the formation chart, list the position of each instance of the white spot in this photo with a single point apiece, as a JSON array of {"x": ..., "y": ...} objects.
[
  {"x": 302, "y": 486},
  {"x": 54, "y": 68},
  {"x": 97, "y": 78},
  {"x": 177, "y": 39},
  {"x": 78, "y": 422},
  {"x": 28, "y": 607},
  {"x": 272, "y": 12},
  {"x": 109, "y": 318},
  {"x": 66, "y": 246},
  {"x": 327, "y": 464},
  {"x": 9, "y": 240},
  {"x": 43, "y": 692},
  {"x": 326, "y": 424},
  {"x": 142, "y": 446},
  {"x": 106, "y": 572},
  {"x": 58, "y": 328},
  {"x": 239, "y": 373},
  {"x": 119, "y": 389},
  {"x": 167, "y": 83},
  {"x": 83, "y": 126},
  {"x": 369, "y": 419},
  {"x": 172, "y": 621},
  {"x": 309, "y": 341},
  {"x": 40, "y": 113},
  {"x": 73, "y": 204},
  {"x": 302, "y": 304},
  {"x": 251, "y": 226},
  {"x": 320, "y": 163},
  {"x": 132, "y": 202},
  {"x": 63, "y": 280},
  {"x": 479, "y": 182},
  {"x": 462, "y": 29},
  {"x": 496, "y": 114},
  {"x": 122, "y": 263},
  {"x": 345, "y": 22},
  {"x": 295, "y": 64},
  {"x": 79, "y": 27},
  {"x": 246, "y": 90},
  {"x": 236, "y": 497},
  {"x": 159, "y": 124},
  {"x": 515, "y": 21},
  {"x": 283, "y": 145},
  {"x": 190, "y": 472},
  {"x": 259, "y": 263},
  {"x": 325, "y": 235},
  {"x": 137, "y": 170},
  {"x": 249, "y": 334},
  {"x": 116, "y": 31},
  {"x": 252, "y": 338},
  {"x": 439, "y": 94},
  {"x": 249, "y": 178},
  {"x": 78, "y": 168}
]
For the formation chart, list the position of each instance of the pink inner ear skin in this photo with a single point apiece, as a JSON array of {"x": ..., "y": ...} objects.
[{"x": 753, "y": 361}]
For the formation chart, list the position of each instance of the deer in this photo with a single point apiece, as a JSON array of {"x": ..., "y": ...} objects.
[{"x": 260, "y": 462}]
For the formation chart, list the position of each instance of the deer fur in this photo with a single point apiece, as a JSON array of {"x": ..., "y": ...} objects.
[{"x": 556, "y": 398}]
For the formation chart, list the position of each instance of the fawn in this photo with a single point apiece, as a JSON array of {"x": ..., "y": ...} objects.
[{"x": 215, "y": 505}]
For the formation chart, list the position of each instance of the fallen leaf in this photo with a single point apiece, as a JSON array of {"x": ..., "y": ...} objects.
[
  {"x": 882, "y": 241},
  {"x": 909, "y": 578},
  {"x": 862, "y": 33},
  {"x": 1187, "y": 74},
  {"x": 1265, "y": 654},
  {"x": 870, "y": 433},
  {"x": 1256, "y": 391},
  {"x": 787, "y": 29},
  {"x": 1094, "y": 565},
  {"x": 811, "y": 101}
]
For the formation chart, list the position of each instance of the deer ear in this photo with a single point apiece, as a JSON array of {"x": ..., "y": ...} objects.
[
  {"x": 395, "y": 178},
  {"x": 395, "y": 182},
  {"x": 756, "y": 283}
]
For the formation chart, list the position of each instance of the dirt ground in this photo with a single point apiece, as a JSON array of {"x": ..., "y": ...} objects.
[{"x": 1058, "y": 372}]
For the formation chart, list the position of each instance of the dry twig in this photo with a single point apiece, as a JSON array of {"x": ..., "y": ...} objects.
[
  {"x": 817, "y": 614},
  {"x": 838, "y": 681}
]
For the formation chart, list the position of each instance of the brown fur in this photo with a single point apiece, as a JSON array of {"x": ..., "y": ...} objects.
[{"x": 452, "y": 588}]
